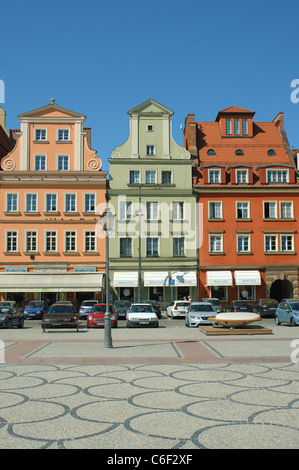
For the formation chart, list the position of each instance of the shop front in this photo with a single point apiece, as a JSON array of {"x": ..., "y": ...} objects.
[{"x": 238, "y": 285}]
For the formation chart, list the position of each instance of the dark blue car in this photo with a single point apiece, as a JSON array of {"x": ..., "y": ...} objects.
[{"x": 35, "y": 309}]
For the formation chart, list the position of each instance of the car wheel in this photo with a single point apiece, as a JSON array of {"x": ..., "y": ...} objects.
[
  {"x": 292, "y": 322},
  {"x": 277, "y": 321}
]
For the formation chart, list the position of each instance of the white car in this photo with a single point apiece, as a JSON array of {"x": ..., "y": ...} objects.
[
  {"x": 199, "y": 313},
  {"x": 177, "y": 308},
  {"x": 142, "y": 315}
]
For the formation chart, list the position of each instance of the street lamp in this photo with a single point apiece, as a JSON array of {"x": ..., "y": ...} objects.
[{"x": 107, "y": 221}]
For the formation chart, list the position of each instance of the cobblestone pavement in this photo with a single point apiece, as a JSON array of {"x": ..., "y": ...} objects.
[{"x": 242, "y": 393}]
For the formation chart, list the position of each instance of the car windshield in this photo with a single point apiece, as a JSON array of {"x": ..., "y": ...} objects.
[
  {"x": 61, "y": 309},
  {"x": 100, "y": 309},
  {"x": 295, "y": 305},
  {"x": 183, "y": 304},
  {"x": 35, "y": 304},
  {"x": 4, "y": 304},
  {"x": 142, "y": 308},
  {"x": 122, "y": 304},
  {"x": 4, "y": 309},
  {"x": 202, "y": 308}
]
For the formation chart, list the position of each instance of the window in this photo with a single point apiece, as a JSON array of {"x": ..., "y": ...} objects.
[
  {"x": 125, "y": 247},
  {"x": 63, "y": 135},
  {"x": 63, "y": 162},
  {"x": 31, "y": 203},
  {"x": 286, "y": 210},
  {"x": 244, "y": 127},
  {"x": 51, "y": 241},
  {"x": 152, "y": 247},
  {"x": 287, "y": 243},
  {"x": 40, "y": 163},
  {"x": 11, "y": 242},
  {"x": 90, "y": 241},
  {"x": 211, "y": 152},
  {"x": 270, "y": 211},
  {"x": 125, "y": 210},
  {"x": 277, "y": 176},
  {"x": 166, "y": 177},
  {"x": 178, "y": 211},
  {"x": 150, "y": 150},
  {"x": 70, "y": 203},
  {"x": 220, "y": 292},
  {"x": 228, "y": 129},
  {"x": 51, "y": 202},
  {"x": 243, "y": 243},
  {"x": 216, "y": 243},
  {"x": 239, "y": 153},
  {"x": 89, "y": 202},
  {"x": 134, "y": 176},
  {"x": 150, "y": 176},
  {"x": 246, "y": 292},
  {"x": 31, "y": 241},
  {"x": 70, "y": 241},
  {"x": 179, "y": 246},
  {"x": 243, "y": 210},
  {"x": 152, "y": 210},
  {"x": 270, "y": 243},
  {"x": 271, "y": 153},
  {"x": 215, "y": 210},
  {"x": 214, "y": 176},
  {"x": 236, "y": 127},
  {"x": 241, "y": 176},
  {"x": 40, "y": 135},
  {"x": 11, "y": 202},
  {"x": 150, "y": 128}
]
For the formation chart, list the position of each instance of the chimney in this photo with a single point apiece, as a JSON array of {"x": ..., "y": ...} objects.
[{"x": 190, "y": 134}]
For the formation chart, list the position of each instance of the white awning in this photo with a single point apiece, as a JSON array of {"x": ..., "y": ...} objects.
[
  {"x": 156, "y": 279},
  {"x": 219, "y": 278},
  {"x": 247, "y": 278},
  {"x": 125, "y": 279},
  {"x": 58, "y": 282},
  {"x": 184, "y": 278}
]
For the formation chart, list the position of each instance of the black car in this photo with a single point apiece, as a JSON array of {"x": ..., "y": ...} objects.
[
  {"x": 239, "y": 306},
  {"x": 215, "y": 302},
  {"x": 10, "y": 317},
  {"x": 121, "y": 307},
  {"x": 265, "y": 307},
  {"x": 155, "y": 306},
  {"x": 61, "y": 315}
]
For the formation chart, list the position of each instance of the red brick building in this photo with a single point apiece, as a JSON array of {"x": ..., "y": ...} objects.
[{"x": 245, "y": 177}]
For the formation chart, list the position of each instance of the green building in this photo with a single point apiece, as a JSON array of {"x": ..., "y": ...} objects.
[{"x": 152, "y": 250}]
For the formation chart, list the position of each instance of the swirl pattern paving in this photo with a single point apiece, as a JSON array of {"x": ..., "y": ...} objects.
[{"x": 149, "y": 406}]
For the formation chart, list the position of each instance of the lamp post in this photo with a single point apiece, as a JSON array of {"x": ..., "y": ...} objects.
[
  {"x": 107, "y": 221},
  {"x": 139, "y": 254}
]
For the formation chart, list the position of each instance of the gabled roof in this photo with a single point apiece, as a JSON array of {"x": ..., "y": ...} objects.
[
  {"x": 150, "y": 106},
  {"x": 52, "y": 107},
  {"x": 234, "y": 110}
]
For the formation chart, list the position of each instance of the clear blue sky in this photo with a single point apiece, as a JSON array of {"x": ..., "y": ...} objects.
[{"x": 102, "y": 59}]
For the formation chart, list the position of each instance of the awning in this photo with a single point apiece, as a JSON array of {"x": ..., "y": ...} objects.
[
  {"x": 156, "y": 279},
  {"x": 43, "y": 282},
  {"x": 247, "y": 278},
  {"x": 184, "y": 278},
  {"x": 219, "y": 278},
  {"x": 125, "y": 279}
]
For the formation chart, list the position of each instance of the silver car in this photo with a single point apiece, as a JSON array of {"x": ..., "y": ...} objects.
[
  {"x": 86, "y": 307},
  {"x": 199, "y": 314}
]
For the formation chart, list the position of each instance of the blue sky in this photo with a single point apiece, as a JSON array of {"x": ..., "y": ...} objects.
[{"x": 102, "y": 59}]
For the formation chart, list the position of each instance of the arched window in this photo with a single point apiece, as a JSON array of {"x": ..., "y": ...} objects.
[
  {"x": 211, "y": 152},
  {"x": 239, "y": 152},
  {"x": 271, "y": 152}
]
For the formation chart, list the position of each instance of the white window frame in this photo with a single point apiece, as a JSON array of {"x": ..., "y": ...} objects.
[
  {"x": 243, "y": 235},
  {"x": 64, "y": 155},
  {"x": 125, "y": 210},
  {"x": 291, "y": 209},
  {"x": 291, "y": 235},
  {"x": 36, "y": 241},
  {"x": 228, "y": 126},
  {"x": 152, "y": 127},
  {"x": 44, "y": 155},
  {"x": 244, "y": 127},
  {"x": 126, "y": 238},
  {"x": 275, "y": 210},
  {"x": 27, "y": 211},
  {"x": 85, "y": 241},
  {"x": 152, "y": 210},
  {"x": 150, "y": 149},
  {"x": 39, "y": 129},
  {"x": 178, "y": 254},
  {"x": 242, "y": 172},
  {"x": 214, "y": 172},
  {"x": 56, "y": 241},
  {"x": 52, "y": 210},
  {"x": 158, "y": 247},
  {"x": 274, "y": 236},
  {"x": 277, "y": 172},
  {"x": 218, "y": 236},
  {"x": 63, "y": 129},
  {"x": 65, "y": 241},
  {"x": 171, "y": 176},
  {"x": 6, "y": 202},
  {"x": 135, "y": 173},
  {"x": 236, "y": 126},
  {"x": 84, "y": 202},
  {"x": 241, "y": 209},
  {"x": 150, "y": 174},
  {"x": 215, "y": 211},
  {"x": 178, "y": 210},
  {"x": 17, "y": 241},
  {"x": 76, "y": 203}
]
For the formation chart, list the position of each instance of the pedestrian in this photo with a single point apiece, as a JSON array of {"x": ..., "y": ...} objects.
[{"x": 189, "y": 299}]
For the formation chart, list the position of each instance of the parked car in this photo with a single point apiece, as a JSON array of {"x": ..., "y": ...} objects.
[
  {"x": 287, "y": 312},
  {"x": 12, "y": 304},
  {"x": 10, "y": 317},
  {"x": 155, "y": 306},
  {"x": 61, "y": 315},
  {"x": 239, "y": 306},
  {"x": 215, "y": 302},
  {"x": 121, "y": 307},
  {"x": 35, "y": 309},
  {"x": 95, "y": 318},
  {"x": 86, "y": 307},
  {"x": 177, "y": 308},
  {"x": 142, "y": 315},
  {"x": 265, "y": 307},
  {"x": 198, "y": 314}
]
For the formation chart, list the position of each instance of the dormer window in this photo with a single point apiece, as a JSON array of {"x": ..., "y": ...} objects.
[
  {"x": 211, "y": 152},
  {"x": 236, "y": 127},
  {"x": 239, "y": 152},
  {"x": 228, "y": 128},
  {"x": 244, "y": 127}
]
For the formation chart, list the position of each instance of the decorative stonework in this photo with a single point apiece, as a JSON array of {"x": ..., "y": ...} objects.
[
  {"x": 8, "y": 164},
  {"x": 94, "y": 164}
]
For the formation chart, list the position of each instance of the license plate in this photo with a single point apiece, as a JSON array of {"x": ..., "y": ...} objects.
[
  {"x": 144, "y": 323},
  {"x": 31, "y": 314}
]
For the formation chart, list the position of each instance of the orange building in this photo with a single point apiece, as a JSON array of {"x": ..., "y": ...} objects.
[
  {"x": 51, "y": 190},
  {"x": 245, "y": 179}
]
